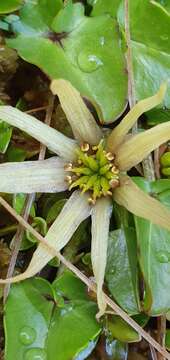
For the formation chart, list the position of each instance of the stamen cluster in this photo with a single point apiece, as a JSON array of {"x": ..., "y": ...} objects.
[{"x": 93, "y": 171}]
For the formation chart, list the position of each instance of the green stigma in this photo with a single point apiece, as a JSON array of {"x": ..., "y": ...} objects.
[{"x": 94, "y": 171}]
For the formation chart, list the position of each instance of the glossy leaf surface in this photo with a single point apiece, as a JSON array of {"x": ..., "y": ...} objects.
[
  {"x": 101, "y": 7},
  {"x": 121, "y": 331},
  {"x": 85, "y": 51},
  {"x": 149, "y": 41},
  {"x": 49, "y": 319},
  {"x": 154, "y": 257},
  {"x": 121, "y": 271},
  {"x": 150, "y": 47}
]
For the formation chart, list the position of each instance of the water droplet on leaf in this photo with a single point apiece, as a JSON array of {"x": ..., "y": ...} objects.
[
  {"x": 27, "y": 335},
  {"x": 102, "y": 40},
  {"x": 89, "y": 62},
  {"x": 163, "y": 257},
  {"x": 35, "y": 354}
]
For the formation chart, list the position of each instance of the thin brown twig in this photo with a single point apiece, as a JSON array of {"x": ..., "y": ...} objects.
[
  {"x": 91, "y": 285},
  {"x": 157, "y": 163},
  {"x": 17, "y": 243},
  {"x": 37, "y": 109},
  {"x": 27, "y": 207},
  {"x": 161, "y": 333},
  {"x": 148, "y": 168},
  {"x": 153, "y": 353}
]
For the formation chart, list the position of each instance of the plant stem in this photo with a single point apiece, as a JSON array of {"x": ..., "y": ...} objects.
[{"x": 161, "y": 333}]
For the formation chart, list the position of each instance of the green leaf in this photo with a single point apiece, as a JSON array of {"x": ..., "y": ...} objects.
[
  {"x": 154, "y": 66},
  {"x": 164, "y": 197},
  {"x": 159, "y": 186},
  {"x": 154, "y": 256},
  {"x": 85, "y": 51},
  {"x": 74, "y": 325},
  {"x": 55, "y": 210},
  {"x": 5, "y": 136},
  {"x": 40, "y": 225},
  {"x": 150, "y": 43},
  {"x": 167, "y": 339},
  {"x": 49, "y": 319},
  {"x": 165, "y": 4},
  {"x": 157, "y": 116},
  {"x": 19, "y": 202},
  {"x": 70, "y": 287},
  {"x": 150, "y": 47},
  {"x": 87, "y": 351},
  {"x": 14, "y": 153},
  {"x": 155, "y": 34},
  {"x": 27, "y": 314},
  {"x": 101, "y": 7},
  {"x": 122, "y": 269},
  {"x": 121, "y": 331},
  {"x": 7, "y": 6}
]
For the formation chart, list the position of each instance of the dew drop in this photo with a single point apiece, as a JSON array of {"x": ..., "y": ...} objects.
[
  {"x": 88, "y": 62},
  {"x": 35, "y": 354},
  {"x": 163, "y": 257},
  {"x": 27, "y": 335},
  {"x": 102, "y": 40}
]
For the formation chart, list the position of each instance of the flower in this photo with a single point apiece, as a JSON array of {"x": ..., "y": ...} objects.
[{"x": 96, "y": 164}]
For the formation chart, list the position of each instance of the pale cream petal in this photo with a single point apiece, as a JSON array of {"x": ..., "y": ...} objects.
[
  {"x": 141, "y": 204},
  {"x": 74, "y": 212},
  {"x": 53, "y": 139},
  {"x": 33, "y": 176},
  {"x": 139, "y": 146},
  {"x": 118, "y": 134},
  {"x": 100, "y": 230},
  {"x": 80, "y": 118}
]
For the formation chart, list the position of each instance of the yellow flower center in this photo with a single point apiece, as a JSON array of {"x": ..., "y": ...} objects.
[{"x": 93, "y": 171}]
